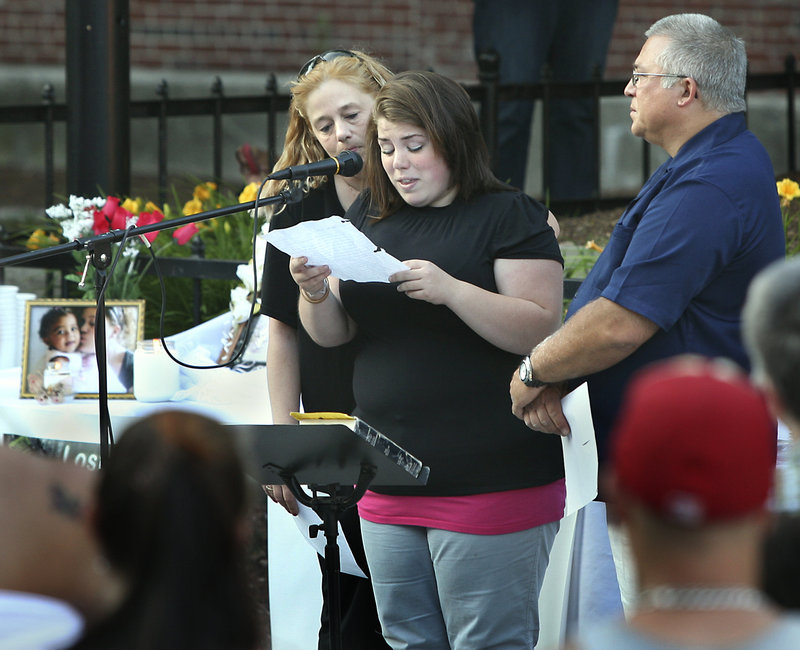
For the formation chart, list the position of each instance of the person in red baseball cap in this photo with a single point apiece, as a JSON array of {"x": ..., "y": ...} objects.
[{"x": 692, "y": 465}]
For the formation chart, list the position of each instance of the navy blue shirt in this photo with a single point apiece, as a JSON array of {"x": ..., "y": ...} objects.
[{"x": 683, "y": 255}]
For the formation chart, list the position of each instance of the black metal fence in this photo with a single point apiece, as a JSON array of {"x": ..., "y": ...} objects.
[
  {"x": 490, "y": 92},
  {"x": 487, "y": 94}
]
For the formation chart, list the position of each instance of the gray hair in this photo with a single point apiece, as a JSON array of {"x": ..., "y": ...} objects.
[
  {"x": 771, "y": 329},
  {"x": 707, "y": 52}
]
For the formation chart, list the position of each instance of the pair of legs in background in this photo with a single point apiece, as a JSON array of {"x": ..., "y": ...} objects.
[
  {"x": 437, "y": 590},
  {"x": 572, "y": 38}
]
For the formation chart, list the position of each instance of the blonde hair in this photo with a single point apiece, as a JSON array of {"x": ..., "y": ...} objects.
[{"x": 300, "y": 144}]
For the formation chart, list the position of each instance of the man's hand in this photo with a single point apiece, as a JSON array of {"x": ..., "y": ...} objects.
[
  {"x": 544, "y": 412},
  {"x": 521, "y": 395},
  {"x": 539, "y": 408}
]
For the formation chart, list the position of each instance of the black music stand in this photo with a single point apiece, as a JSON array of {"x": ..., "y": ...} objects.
[{"x": 327, "y": 457}]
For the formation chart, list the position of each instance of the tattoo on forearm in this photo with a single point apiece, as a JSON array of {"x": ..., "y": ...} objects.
[{"x": 61, "y": 501}]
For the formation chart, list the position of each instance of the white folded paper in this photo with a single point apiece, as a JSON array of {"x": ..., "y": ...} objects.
[
  {"x": 580, "y": 450},
  {"x": 337, "y": 243}
]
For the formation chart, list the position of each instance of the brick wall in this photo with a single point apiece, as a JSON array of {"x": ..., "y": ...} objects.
[
  {"x": 276, "y": 35},
  {"x": 770, "y": 28}
]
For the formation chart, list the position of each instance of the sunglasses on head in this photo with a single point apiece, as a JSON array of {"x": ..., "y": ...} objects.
[{"x": 325, "y": 56}]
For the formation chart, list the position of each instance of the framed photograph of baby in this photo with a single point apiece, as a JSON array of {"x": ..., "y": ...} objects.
[{"x": 59, "y": 356}]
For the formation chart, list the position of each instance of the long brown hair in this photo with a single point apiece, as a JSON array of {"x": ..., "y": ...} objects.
[
  {"x": 443, "y": 109},
  {"x": 300, "y": 145},
  {"x": 171, "y": 509}
]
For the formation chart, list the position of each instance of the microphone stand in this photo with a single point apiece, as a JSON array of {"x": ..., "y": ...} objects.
[{"x": 99, "y": 255}]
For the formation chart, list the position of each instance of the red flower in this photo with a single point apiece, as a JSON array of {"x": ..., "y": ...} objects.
[
  {"x": 112, "y": 203},
  {"x": 146, "y": 218},
  {"x": 120, "y": 219},
  {"x": 101, "y": 223},
  {"x": 111, "y": 217},
  {"x": 185, "y": 233}
]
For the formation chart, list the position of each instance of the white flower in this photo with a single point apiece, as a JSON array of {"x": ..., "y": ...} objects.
[
  {"x": 240, "y": 304},
  {"x": 245, "y": 273},
  {"x": 241, "y": 296},
  {"x": 58, "y": 211},
  {"x": 261, "y": 248},
  {"x": 77, "y": 218},
  {"x": 77, "y": 228},
  {"x": 79, "y": 204}
]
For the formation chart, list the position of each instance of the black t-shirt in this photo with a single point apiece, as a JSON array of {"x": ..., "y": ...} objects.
[
  {"x": 326, "y": 374},
  {"x": 425, "y": 379}
]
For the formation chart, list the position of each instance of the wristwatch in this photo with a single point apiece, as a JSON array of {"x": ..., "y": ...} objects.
[{"x": 526, "y": 374}]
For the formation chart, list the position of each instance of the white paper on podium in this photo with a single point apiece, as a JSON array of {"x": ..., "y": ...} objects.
[
  {"x": 337, "y": 243},
  {"x": 295, "y": 597},
  {"x": 580, "y": 451},
  {"x": 347, "y": 563}
]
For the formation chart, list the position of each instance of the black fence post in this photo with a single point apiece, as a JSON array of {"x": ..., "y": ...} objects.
[
  {"x": 199, "y": 251},
  {"x": 791, "y": 136},
  {"x": 163, "y": 93},
  {"x": 597, "y": 77},
  {"x": 48, "y": 99},
  {"x": 489, "y": 77},
  {"x": 217, "y": 93},
  {"x": 547, "y": 104},
  {"x": 98, "y": 96},
  {"x": 272, "y": 93}
]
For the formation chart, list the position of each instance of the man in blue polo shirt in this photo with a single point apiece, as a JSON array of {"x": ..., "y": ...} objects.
[{"x": 674, "y": 275}]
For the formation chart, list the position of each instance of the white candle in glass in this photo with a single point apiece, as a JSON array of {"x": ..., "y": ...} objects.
[
  {"x": 57, "y": 380},
  {"x": 156, "y": 377}
]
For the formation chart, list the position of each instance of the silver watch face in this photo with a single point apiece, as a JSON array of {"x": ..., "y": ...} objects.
[{"x": 524, "y": 371}]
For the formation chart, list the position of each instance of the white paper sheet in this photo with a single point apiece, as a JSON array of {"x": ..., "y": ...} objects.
[
  {"x": 337, "y": 243},
  {"x": 580, "y": 450},
  {"x": 295, "y": 597},
  {"x": 347, "y": 563}
]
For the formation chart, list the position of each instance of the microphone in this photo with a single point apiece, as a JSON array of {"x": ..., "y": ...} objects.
[{"x": 347, "y": 163}]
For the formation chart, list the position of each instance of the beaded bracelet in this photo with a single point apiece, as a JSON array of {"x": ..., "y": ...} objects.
[{"x": 326, "y": 289}]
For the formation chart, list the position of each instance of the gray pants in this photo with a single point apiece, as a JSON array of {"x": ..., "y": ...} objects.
[{"x": 437, "y": 589}]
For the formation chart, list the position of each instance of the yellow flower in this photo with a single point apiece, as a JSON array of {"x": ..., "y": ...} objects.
[
  {"x": 590, "y": 245},
  {"x": 192, "y": 207},
  {"x": 203, "y": 191},
  {"x": 248, "y": 193},
  {"x": 788, "y": 189},
  {"x": 150, "y": 207},
  {"x": 40, "y": 239},
  {"x": 134, "y": 206}
]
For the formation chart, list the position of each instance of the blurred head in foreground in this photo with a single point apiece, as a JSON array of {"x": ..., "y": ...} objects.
[
  {"x": 694, "y": 443},
  {"x": 693, "y": 461},
  {"x": 171, "y": 520},
  {"x": 771, "y": 332}
]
